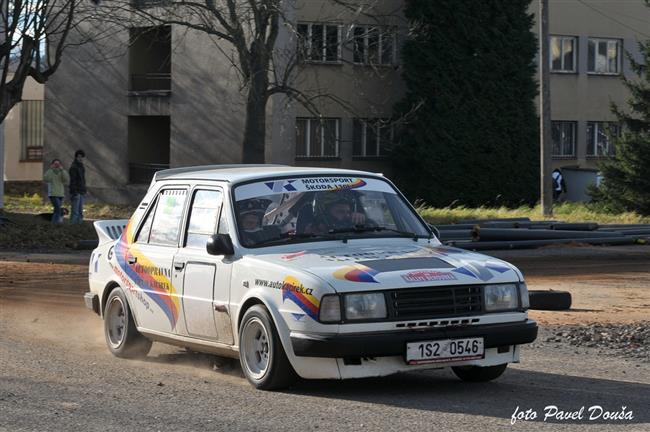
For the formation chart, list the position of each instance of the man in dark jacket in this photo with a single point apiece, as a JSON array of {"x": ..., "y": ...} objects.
[{"x": 77, "y": 187}]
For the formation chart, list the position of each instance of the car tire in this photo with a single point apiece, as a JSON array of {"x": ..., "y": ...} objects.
[
  {"x": 262, "y": 357},
  {"x": 479, "y": 373},
  {"x": 122, "y": 337},
  {"x": 550, "y": 300}
]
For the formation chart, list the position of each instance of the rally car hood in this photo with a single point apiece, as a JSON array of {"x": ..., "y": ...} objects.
[{"x": 350, "y": 267}]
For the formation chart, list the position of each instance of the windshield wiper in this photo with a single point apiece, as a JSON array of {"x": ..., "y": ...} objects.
[
  {"x": 368, "y": 228},
  {"x": 290, "y": 238}
]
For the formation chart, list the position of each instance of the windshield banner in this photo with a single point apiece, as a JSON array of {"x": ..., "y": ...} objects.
[{"x": 310, "y": 184}]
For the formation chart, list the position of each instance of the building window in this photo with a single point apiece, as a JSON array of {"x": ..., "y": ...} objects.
[
  {"x": 564, "y": 139},
  {"x": 374, "y": 45},
  {"x": 563, "y": 54},
  {"x": 599, "y": 138},
  {"x": 319, "y": 42},
  {"x": 604, "y": 56},
  {"x": 31, "y": 130},
  {"x": 371, "y": 137},
  {"x": 150, "y": 54},
  {"x": 317, "y": 138}
]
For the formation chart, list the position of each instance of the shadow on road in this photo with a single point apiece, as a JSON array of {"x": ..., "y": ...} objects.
[{"x": 440, "y": 391}]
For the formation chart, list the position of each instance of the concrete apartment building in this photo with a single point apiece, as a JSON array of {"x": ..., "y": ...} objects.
[
  {"x": 171, "y": 98},
  {"x": 589, "y": 39}
]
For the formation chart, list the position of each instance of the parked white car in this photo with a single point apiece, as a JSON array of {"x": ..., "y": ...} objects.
[{"x": 309, "y": 272}]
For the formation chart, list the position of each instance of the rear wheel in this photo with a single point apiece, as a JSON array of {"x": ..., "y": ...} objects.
[
  {"x": 261, "y": 354},
  {"x": 122, "y": 337},
  {"x": 479, "y": 373}
]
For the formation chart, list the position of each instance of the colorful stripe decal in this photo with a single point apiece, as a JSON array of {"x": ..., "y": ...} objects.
[
  {"x": 157, "y": 286},
  {"x": 357, "y": 273},
  {"x": 293, "y": 290}
]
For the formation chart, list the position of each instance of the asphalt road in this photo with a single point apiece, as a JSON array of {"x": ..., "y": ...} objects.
[{"x": 56, "y": 374}]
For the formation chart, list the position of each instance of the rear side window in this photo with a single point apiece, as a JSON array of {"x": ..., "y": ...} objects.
[
  {"x": 166, "y": 224},
  {"x": 143, "y": 235},
  {"x": 204, "y": 215}
]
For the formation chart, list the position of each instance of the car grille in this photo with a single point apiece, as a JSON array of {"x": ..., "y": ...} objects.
[{"x": 437, "y": 301}]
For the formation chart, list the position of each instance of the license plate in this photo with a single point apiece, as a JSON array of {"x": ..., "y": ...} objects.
[{"x": 446, "y": 350}]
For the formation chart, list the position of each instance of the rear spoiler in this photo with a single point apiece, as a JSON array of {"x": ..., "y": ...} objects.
[{"x": 109, "y": 230}]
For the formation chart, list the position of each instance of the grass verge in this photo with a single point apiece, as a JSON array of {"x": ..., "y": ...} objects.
[
  {"x": 567, "y": 212},
  {"x": 27, "y": 229}
]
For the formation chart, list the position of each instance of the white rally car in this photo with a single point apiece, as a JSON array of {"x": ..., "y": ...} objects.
[{"x": 310, "y": 272}]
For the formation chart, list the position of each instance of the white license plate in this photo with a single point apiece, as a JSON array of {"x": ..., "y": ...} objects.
[{"x": 446, "y": 350}]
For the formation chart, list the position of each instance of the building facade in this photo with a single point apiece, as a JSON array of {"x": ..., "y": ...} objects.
[
  {"x": 23, "y": 138},
  {"x": 589, "y": 42},
  {"x": 158, "y": 97}
]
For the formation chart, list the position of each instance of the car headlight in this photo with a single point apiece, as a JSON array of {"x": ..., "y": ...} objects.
[
  {"x": 365, "y": 306},
  {"x": 501, "y": 297},
  {"x": 523, "y": 295},
  {"x": 330, "y": 308}
]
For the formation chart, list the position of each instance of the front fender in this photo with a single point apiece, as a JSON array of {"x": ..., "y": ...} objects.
[{"x": 306, "y": 367}]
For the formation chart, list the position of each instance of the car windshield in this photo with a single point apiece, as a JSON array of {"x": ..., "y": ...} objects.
[{"x": 275, "y": 212}]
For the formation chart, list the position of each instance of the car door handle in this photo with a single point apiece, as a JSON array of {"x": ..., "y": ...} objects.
[
  {"x": 131, "y": 259},
  {"x": 179, "y": 265}
]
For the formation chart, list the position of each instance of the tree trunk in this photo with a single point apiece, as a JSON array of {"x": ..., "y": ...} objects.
[{"x": 255, "y": 128}]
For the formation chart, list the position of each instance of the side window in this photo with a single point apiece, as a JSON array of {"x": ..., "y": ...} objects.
[
  {"x": 143, "y": 235},
  {"x": 203, "y": 217},
  {"x": 167, "y": 217}
]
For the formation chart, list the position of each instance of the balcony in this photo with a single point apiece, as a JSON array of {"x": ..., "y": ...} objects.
[{"x": 150, "y": 84}]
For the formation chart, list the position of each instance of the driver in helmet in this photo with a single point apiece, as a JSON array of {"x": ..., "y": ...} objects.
[
  {"x": 251, "y": 213},
  {"x": 337, "y": 211}
]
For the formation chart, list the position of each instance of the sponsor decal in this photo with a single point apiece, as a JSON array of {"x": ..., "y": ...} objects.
[
  {"x": 128, "y": 285},
  {"x": 427, "y": 276},
  {"x": 357, "y": 273},
  {"x": 153, "y": 280},
  {"x": 372, "y": 254},
  {"x": 332, "y": 183},
  {"x": 293, "y": 256},
  {"x": 281, "y": 186},
  {"x": 293, "y": 290},
  {"x": 481, "y": 271},
  {"x": 96, "y": 262}
]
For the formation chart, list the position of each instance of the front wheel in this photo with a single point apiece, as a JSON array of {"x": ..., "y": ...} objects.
[
  {"x": 479, "y": 373},
  {"x": 261, "y": 354},
  {"x": 122, "y": 337}
]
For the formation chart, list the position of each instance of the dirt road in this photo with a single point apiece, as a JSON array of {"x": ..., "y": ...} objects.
[{"x": 56, "y": 373}]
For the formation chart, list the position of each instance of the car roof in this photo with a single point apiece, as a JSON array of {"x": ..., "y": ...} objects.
[{"x": 242, "y": 172}]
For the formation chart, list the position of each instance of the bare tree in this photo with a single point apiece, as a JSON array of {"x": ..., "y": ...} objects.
[
  {"x": 33, "y": 35},
  {"x": 251, "y": 27}
]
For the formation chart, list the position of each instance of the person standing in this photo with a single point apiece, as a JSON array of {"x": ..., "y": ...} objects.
[
  {"x": 56, "y": 178},
  {"x": 559, "y": 186},
  {"x": 77, "y": 187}
]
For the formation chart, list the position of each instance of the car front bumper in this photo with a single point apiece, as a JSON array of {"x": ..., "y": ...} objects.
[{"x": 387, "y": 344}]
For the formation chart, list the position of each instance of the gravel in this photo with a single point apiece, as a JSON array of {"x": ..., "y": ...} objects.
[{"x": 629, "y": 340}]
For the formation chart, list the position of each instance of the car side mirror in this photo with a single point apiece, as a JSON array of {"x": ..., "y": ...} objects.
[
  {"x": 220, "y": 244},
  {"x": 435, "y": 230}
]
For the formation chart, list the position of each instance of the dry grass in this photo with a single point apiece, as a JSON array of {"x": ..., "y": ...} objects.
[
  {"x": 27, "y": 229},
  {"x": 35, "y": 204},
  {"x": 568, "y": 212}
]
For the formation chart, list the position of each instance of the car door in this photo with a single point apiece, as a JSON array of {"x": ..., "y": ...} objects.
[
  {"x": 205, "y": 279},
  {"x": 149, "y": 261}
]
